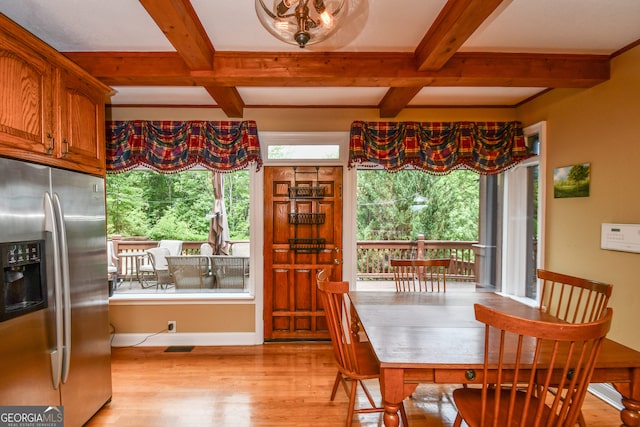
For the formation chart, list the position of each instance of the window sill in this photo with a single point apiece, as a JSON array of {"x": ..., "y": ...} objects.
[{"x": 186, "y": 298}]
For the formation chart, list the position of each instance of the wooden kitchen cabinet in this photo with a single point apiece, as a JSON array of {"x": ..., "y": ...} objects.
[
  {"x": 81, "y": 123},
  {"x": 51, "y": 111},
  {"x": 26, "y": 101}
]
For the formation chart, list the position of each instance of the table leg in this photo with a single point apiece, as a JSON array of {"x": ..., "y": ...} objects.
[
  {"x": 131, "y": 261},
  {"x": 394, "y": 391},
  {"x": 630, "y": 414},
  {"x": 138, "y": 259}
]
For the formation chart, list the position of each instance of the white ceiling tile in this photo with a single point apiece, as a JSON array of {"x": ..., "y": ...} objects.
[
  {"x": 161, "y": 95},
  {"x": 473, "y": 95},
  {"x": 559, "y": 26},
  {"x": 353, "y": 96},
  {"x": 88, "y": 25}
]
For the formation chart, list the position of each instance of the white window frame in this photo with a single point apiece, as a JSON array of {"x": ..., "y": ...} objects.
[{"x": 514, "y": 233}]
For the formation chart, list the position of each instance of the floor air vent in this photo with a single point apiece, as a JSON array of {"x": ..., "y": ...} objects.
[{"x": 179, "y": 349}]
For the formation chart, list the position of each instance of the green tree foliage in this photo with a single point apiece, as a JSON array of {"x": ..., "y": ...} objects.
[
  {"x": 578, "y": 173},
  {"x": 236, "y": 192},
  {"x": 126, "y": 205},
  {"x": 192, "y": 193},
  {"x": 401, "y": 205},
  {"x": 174, "y": 206},
  {"x": 391, "y": 206}
]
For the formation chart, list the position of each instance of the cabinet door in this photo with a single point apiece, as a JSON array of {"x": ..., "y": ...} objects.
[
  {"x": 26, "y": 102},
  {"x": 81, "y": 122}
]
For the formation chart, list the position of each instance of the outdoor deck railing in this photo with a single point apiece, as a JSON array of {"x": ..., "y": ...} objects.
[
  {"x": 373, "y": 256},
  {"x": 127, "y": 265}
]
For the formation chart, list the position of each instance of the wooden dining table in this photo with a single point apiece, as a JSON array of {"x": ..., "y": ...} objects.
[{"x": 434, "y": 338}]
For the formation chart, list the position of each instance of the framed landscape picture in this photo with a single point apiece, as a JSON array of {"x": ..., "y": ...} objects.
[{"x": 572, "y": 181}]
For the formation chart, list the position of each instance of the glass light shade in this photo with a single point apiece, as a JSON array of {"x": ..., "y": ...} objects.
[{"x": 301, "y": 22}]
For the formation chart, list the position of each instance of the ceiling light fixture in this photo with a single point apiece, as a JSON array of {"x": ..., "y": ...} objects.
[{"x": 294, "y": 22}]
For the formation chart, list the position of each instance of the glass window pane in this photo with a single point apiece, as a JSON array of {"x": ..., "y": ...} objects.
[
  {"x": 303, "y": 152},
  {"x": 145, "y": 207},
  {"x": 532, "y": 230}
]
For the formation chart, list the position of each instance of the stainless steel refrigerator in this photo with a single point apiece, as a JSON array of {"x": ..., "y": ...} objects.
[{"x": 54, "y": 327}]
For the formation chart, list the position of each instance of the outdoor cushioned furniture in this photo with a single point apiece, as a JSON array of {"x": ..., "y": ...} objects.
[
  {"x": 158, "y": 262},
  {"x": 170, "y": 248},
  {"x": 190, "y": 272},
  {"x": 230, "y": 272}
]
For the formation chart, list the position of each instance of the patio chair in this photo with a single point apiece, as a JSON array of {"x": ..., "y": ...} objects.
[
  {"x": 420, "y": 275},
  {"x": 112, "y": 267},
  {"x": 230, "y": 272},
  {"x": 240, "y": 249},
  {"x": 159, "y": 267},
  {"x": 174, "y": 247},
  {"x": 354, "y": 357},
  {"x": 523, "y": 359},
  {"x": 206, "y": 249},
  {"x": 190, "y": 272}
]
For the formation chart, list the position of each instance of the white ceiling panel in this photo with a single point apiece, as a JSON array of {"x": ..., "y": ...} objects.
[
  {"x": 88, "y": 25},
  {"x": 331, "y": 96},
  {"x": 559, "y": 26},
  {"x": 464, "y": 96},
  {"x": 161, "y": 95}
]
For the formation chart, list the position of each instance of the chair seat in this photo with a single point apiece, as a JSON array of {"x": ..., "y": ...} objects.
[
  {"x": 355, "y": 358},
  {"x": 520, "y": 356},
  {"x": 190, "y": 272},
  {"x": 368, "y": 366},
  {"x": 469, "y": 404},
  {"x": 147, "y": 268}
]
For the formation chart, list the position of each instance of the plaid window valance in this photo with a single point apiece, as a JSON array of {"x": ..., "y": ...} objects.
[
  {"x": 173, "y": 146},
  {"x": 438, "y": 147}
]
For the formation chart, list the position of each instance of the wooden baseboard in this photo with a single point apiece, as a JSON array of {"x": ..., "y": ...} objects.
[{"x": 202, "y": 339}]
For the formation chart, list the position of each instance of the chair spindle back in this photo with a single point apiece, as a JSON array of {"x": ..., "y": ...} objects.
[
  {"x": 420, "y": 275},
  {"x": 573, "y": 299}
]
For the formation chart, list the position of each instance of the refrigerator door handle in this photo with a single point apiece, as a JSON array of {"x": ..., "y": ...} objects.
[
  {"x": 56, "y": 353},
  {"x": 66, "y": 286}
]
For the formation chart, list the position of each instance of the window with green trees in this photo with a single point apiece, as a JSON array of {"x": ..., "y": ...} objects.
[
  {"x": 174, "y": 206},
  {"x": 390, "y": 206},
  {"x": 403, "y": 204}
]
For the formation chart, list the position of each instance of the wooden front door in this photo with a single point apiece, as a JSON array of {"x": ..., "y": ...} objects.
[{"x": 302, "y": 235}]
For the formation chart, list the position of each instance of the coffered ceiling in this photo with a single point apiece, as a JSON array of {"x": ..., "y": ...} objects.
[{"x": 391, "y": 54}]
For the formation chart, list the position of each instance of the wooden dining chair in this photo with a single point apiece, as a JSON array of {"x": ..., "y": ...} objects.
[
  {"x": 573, "y": 299},
  {"x": 354, "y": 356},
  {"x": 523, "y": 359},
  {"x": 420, "y": 275}
]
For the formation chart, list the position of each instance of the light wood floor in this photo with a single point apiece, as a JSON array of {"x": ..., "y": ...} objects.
[{"x": 268, "y": 385}]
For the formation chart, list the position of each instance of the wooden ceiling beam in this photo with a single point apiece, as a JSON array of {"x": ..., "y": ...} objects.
[
  {"x": 180, "y": 24},
  {"x": 228, "y": 99},
  {"x": 178, "y": 21},
  {"x": 234, "y": 69},
  {"x": 457, "y": 21},
  {"x": 396, "y": 99}
]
